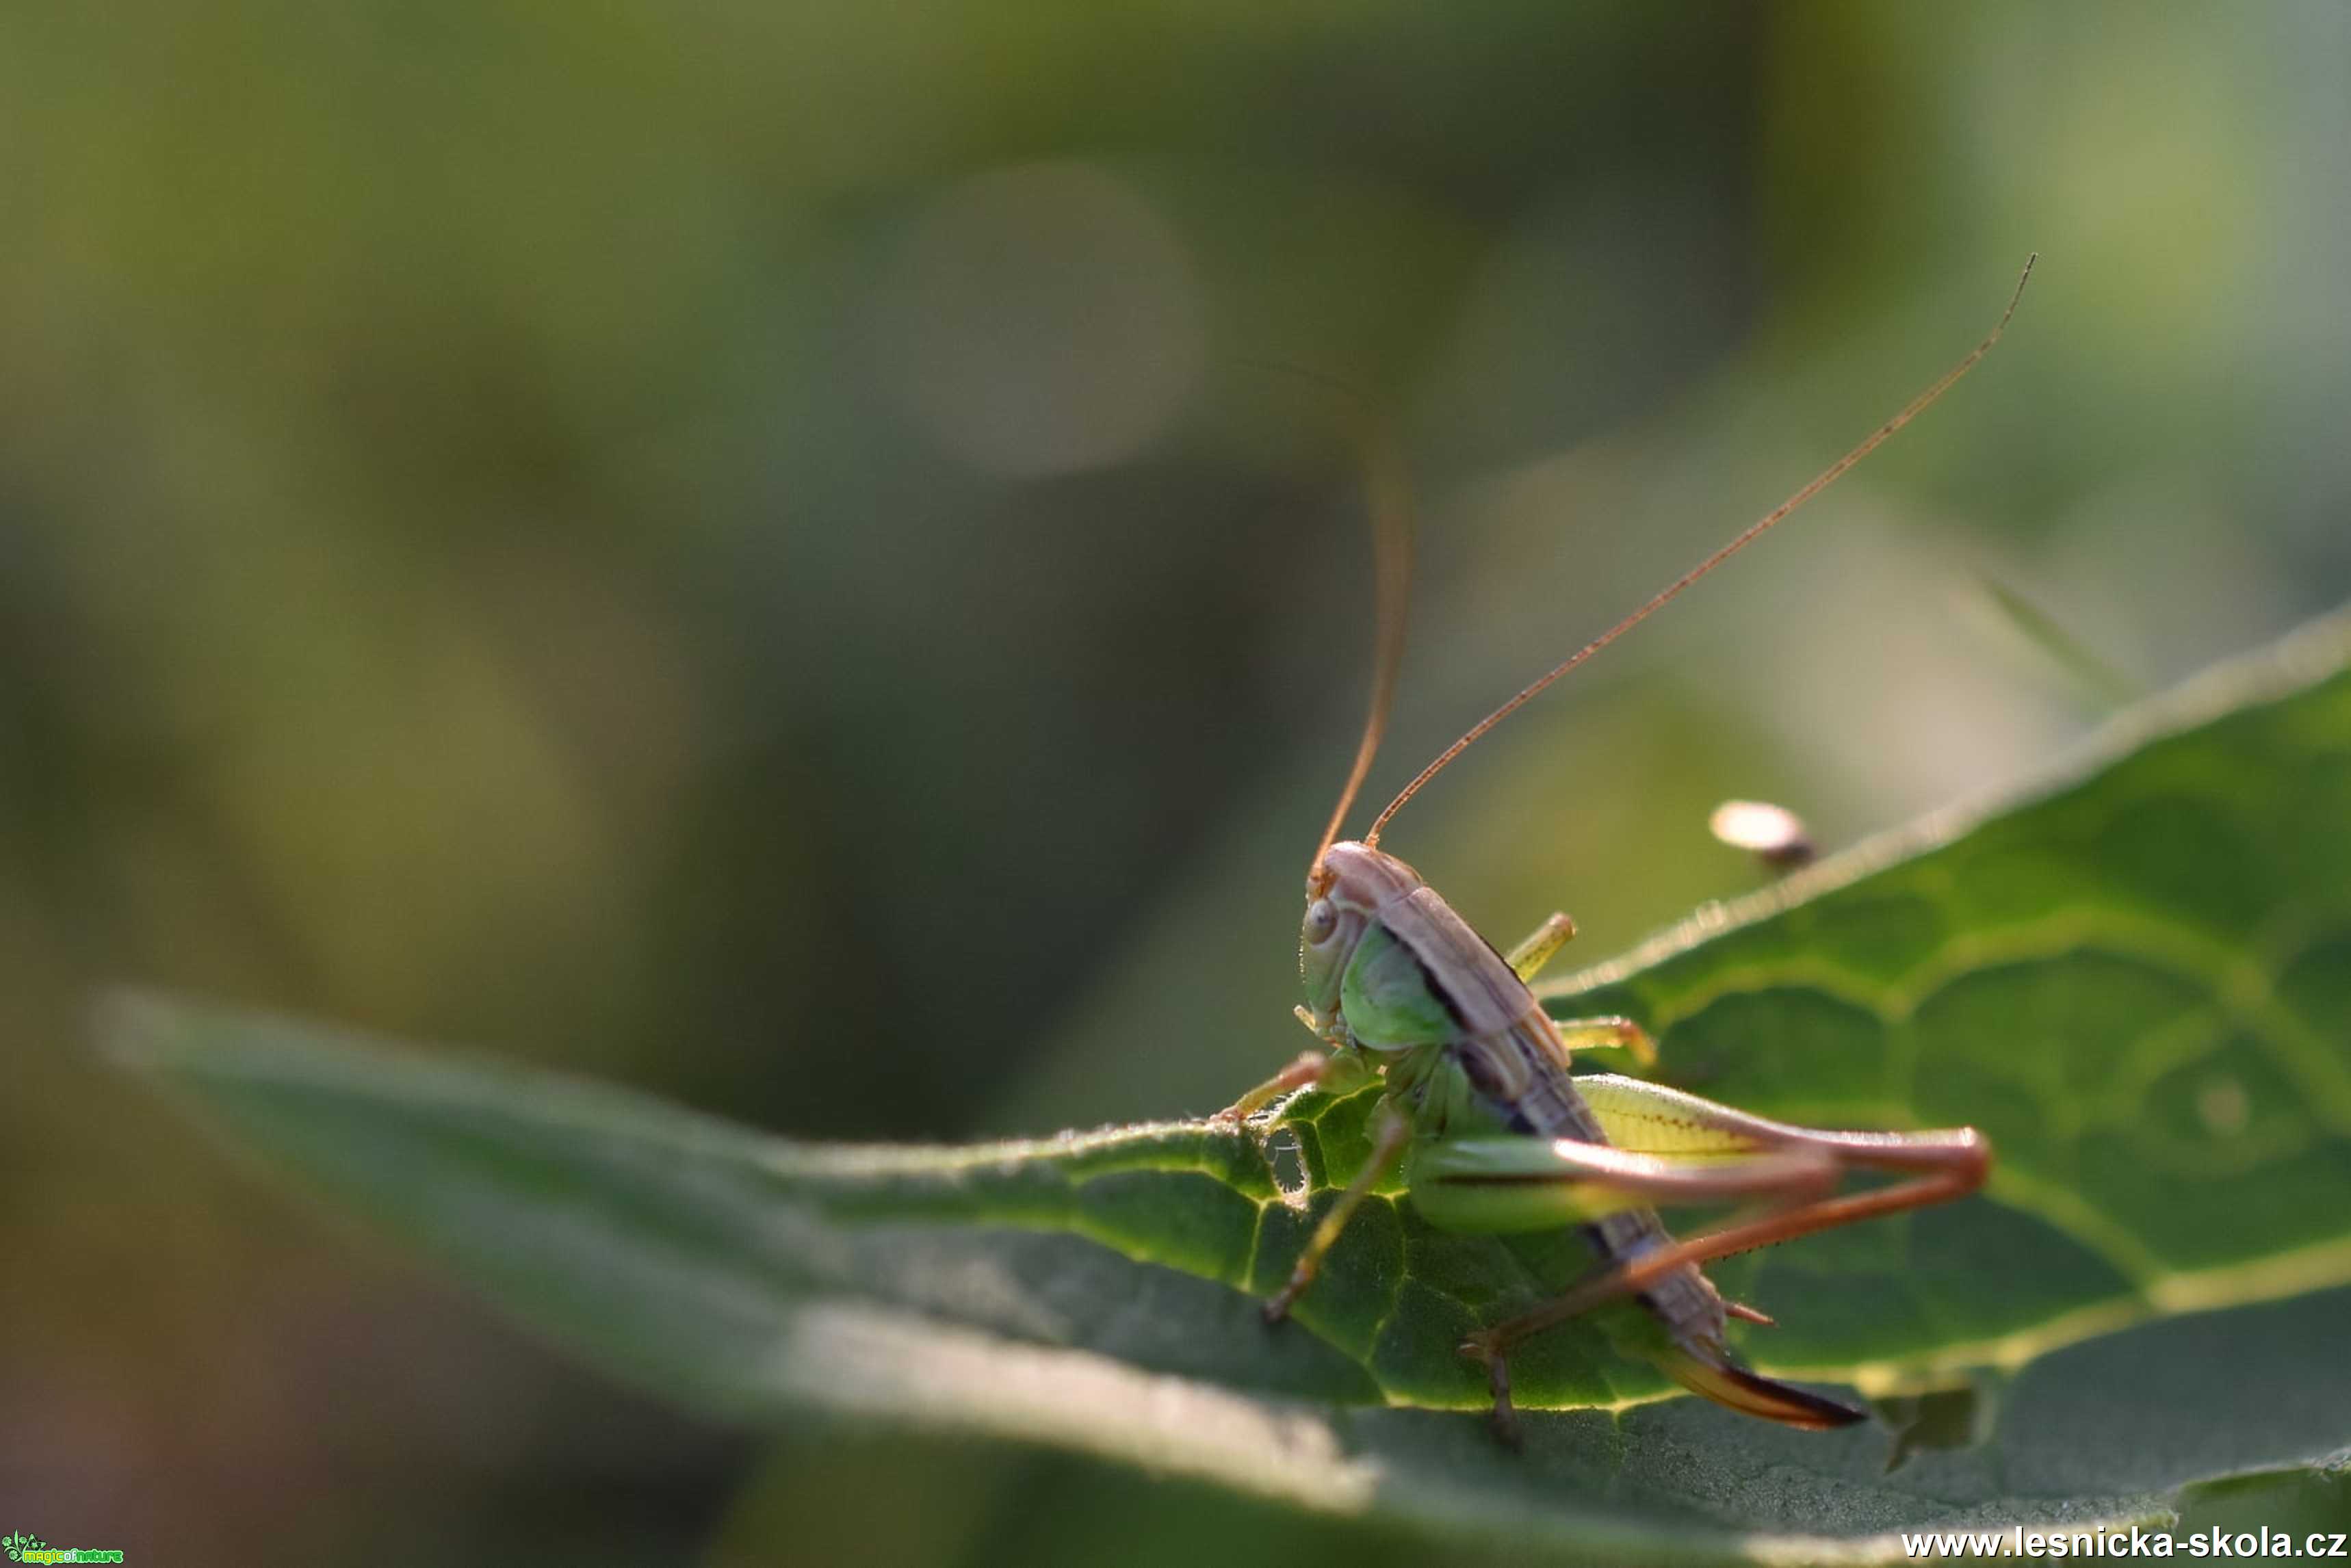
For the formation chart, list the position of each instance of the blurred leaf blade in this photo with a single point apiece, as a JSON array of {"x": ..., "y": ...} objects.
[{"x": 1081, "y": 1292}]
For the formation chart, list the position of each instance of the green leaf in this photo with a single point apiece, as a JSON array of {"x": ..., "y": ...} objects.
[{"x": 2138, "y": 983}]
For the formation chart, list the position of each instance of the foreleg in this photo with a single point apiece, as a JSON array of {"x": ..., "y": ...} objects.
[{"x": 1308, "y": 1070}]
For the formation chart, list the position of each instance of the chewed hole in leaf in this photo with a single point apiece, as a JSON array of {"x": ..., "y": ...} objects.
[{"x": 1286, "y": 1158}]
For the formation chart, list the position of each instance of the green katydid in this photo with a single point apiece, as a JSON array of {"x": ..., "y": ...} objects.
[{"x": 1479, "y": 1103}]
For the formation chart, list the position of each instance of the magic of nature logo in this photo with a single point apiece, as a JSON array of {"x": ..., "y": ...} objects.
[{"x": 23, "y": 1548}]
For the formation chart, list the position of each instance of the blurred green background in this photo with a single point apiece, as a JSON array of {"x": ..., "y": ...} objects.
[{"x": 751, "y": 550}]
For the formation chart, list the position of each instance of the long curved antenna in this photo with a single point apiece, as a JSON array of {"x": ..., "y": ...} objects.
[
  {"x": 1389, "y": 495},
  {"x": 1753, "y": 531}
]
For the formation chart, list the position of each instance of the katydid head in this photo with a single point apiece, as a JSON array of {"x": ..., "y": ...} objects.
[
  {"x": 1356, "y": 882},
  {"x": 1325, "y": 942}
]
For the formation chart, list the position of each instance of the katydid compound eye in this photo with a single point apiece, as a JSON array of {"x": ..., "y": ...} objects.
[{"x": 1320, "y": 920}]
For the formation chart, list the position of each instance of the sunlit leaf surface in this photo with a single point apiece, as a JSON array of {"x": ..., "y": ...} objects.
[{"x": 2138, "y": 983}]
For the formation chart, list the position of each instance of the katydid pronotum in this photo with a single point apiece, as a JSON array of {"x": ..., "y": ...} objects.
[{"x": 1477, "y": 1101}]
